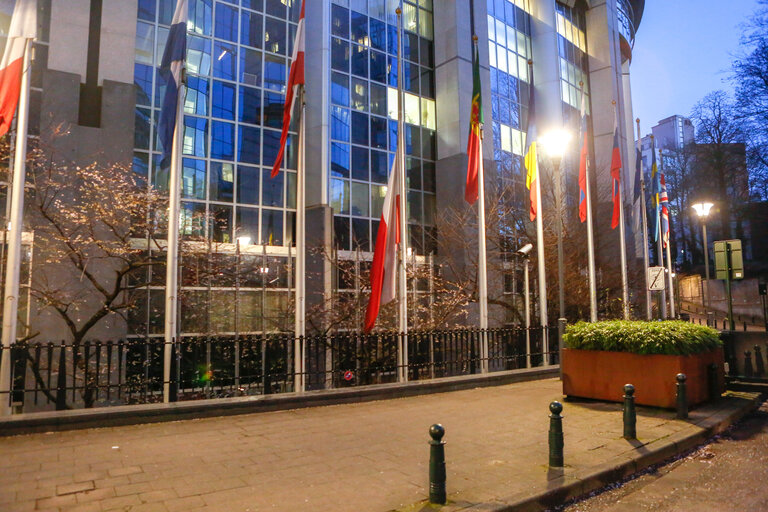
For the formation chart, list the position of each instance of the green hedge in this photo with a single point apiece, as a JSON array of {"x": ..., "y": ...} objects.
[{"x": 672, "y": 337}]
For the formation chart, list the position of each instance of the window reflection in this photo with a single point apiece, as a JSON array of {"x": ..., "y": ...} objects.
[{"x": 193, "y": 179}]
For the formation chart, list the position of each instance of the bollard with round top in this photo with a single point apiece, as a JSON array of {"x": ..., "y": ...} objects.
[
  {"x": 682, "y": 398},
  {"x": 630, "y": 415},
  {"x": 437, "y": 465},
  {"x": 748, "y": 370},
  {"x": 555, "y": 435},
  {"x": 759, "y": 366}
]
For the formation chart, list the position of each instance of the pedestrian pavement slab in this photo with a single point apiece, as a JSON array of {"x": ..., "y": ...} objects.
[{"x": 370, "y": 456}]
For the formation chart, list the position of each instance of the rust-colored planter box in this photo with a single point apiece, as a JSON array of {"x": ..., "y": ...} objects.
[{"x": 601, "y": 375}]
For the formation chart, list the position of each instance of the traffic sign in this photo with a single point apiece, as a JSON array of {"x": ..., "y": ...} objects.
[
  {"x": 733, "y": 261},
  {"x": 656, "y": 278},
  {"x": 348, "y": 375}
]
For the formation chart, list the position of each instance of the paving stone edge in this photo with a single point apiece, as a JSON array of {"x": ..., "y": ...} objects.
[{"x": 153, "y": 413}]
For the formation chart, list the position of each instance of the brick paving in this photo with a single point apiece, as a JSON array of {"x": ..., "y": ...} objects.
[{"x": 355, "y": 457}]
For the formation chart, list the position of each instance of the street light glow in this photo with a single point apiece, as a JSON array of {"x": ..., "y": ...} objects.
[
  {"x": 555, "y": 142},
  {"x": 702, "y": 209},
  {"x": 244, "y": 240}
]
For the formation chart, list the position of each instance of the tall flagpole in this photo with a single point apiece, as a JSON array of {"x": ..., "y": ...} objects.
[
  {"x": 540, "y": 252},
  {"x": 11, "y": 296},
  {"x": 622, "y": 236},
  {"x": 402, "y": 275},
  {"x": 644, "y": 215},
  {"x": 659, "y": 247},
  {"x": 300, "y": 283},
  {"x": 590, "y": 241},
  {"x": 172, "y": 249},
  {"x": 481, "y": 256}
]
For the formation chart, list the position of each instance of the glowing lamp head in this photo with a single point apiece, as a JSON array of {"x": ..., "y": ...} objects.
[
  {"x": 555, "y": 143},
  {"x": 244, "y": 240},
  {"x": 703, "y": 209}
]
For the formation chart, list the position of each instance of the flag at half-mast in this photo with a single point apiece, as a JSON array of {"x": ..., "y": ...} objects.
[
  {"x": 616, "y": 176},
  {"x": 295, "y": 80},
  {"x": 23, "y": 28},
  {"x": 384, "y": 267},
  {"x": 664, "y": 210},
  {"x": 583, "y": 160},
  {"x": 171, "y": 70},
  {"x": 474, "y": 147},
  {"x": 531, "y": 159}
]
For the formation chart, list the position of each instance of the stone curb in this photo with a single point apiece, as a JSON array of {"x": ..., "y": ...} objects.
[
  {"x": 584, "y": 481},
  {"x": 153, "y": 413}
]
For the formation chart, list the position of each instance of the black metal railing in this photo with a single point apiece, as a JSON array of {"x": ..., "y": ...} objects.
[{"x": 59, "y": 375}]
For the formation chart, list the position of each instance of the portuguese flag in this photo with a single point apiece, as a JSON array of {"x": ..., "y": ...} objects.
[{"x": 474, "y": 148}]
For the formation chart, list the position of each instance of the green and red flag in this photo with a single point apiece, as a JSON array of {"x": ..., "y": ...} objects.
[{"x": 474, "y": 146}]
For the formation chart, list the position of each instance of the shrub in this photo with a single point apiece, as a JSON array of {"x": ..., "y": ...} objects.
[{"x": 671, "y": 338}]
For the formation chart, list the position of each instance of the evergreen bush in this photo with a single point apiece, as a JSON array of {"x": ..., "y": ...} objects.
[{"x": 640, "y": 337}]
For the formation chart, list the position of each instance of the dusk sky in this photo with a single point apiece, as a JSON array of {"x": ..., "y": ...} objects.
[{"x": 683, "y": 51}]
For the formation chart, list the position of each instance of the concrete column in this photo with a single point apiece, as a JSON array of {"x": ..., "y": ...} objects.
[
  {"x": 318, "y": 78},
  {"x": 546, "y": 71}
]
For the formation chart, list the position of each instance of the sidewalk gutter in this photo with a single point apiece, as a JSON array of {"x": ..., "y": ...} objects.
[
  {"x": 153, "y": 413},
  {"x": 729, "y": 410}
]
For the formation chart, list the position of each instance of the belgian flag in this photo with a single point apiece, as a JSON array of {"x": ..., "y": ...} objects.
[
  {"x": 474, "y": 146},
  {"x": 531, "y": 157}
]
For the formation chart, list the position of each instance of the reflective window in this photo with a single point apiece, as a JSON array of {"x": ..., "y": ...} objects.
[
  {"x": 248, "y": 179},
  {"x": 226, "y": 22},
  {"x": 222, "y": 140},
  {"x": 222, "y": 181},
  {"x": 193, "y": 179}
]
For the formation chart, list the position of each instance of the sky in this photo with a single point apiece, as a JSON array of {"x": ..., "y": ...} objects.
[{"x": 683, "y": 50}]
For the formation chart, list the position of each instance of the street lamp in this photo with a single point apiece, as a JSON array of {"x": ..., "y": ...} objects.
[
  {"x": 554, "y": 144},
  {"x": 702, "y": 210},
  {"x": 523, "y": 253}
]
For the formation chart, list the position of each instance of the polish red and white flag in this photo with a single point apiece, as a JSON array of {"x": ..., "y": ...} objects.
[
  {"x": 23, "y": 28},
  {"x": 384, "y": 268},
  {"x": 295, "y": 80}
]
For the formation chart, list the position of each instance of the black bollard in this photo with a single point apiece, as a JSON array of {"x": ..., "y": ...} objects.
[
  {"x": 555, "y": 435},
  {"x": 748, "y": 370},
  {"x": 713, "y": 381},
  {"x": 759, "y": 366},
  {"x": 682, "y": 398},
  {"x": 630, "y": 415},
  {"x": 437, "y": 465}
]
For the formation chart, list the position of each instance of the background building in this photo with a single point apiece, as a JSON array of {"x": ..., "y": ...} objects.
[{"x": 96, "y": 83}]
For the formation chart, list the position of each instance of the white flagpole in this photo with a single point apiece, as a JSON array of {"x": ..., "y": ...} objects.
[
  {"x": 402, "y": 286},
  {"x": 299, "y": 290},
  {"x": 11, "y": 295},
  {"x": 481, "y": 258},
  {"x": 658, "y": 230},
  {"x": 542, "y": 267},
  {"x": 622, "y": 235},
  {"x": 671, "y": 279},
  {"x": 590, "y": 243},
  {"x": 172, "y": 249},
  {"x": 644, "y": 216}
]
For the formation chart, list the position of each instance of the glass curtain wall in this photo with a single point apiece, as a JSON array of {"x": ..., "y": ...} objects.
[
  {"x": 237, "y": 68},
  {"x": 574, "y": 70},
  {"x": 363, "y": 135}
]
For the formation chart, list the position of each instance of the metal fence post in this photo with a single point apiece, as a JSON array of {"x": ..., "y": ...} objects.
[
  {"x": 555, "y": 435},
  {"x": 630, "y": 415},
  {"x": 437, "y": 492},
  {"x": 682, "y": 398}
]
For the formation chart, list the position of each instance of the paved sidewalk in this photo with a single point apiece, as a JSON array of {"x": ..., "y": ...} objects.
[{"x": 358, "y": 457}]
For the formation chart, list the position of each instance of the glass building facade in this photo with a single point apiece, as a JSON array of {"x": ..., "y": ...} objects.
[
  {"x": 363, "y": 118},
  {"x": 236, "y": 72}
]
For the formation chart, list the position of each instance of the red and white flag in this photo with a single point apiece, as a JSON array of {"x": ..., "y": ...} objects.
[
  {"x": 23, "y": 28},
  {"x": 384, "y": 269},
  {"x": 295, "y": 80}
]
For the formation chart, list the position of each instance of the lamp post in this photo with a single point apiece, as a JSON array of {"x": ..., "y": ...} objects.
[
  {"x": 523, "y": 253},
  {"x": 702, "y": 210},
  {"x": 554, "y": 144}
]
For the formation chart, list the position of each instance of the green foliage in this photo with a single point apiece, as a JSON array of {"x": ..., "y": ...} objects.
[{"x": 671, "y": 338}]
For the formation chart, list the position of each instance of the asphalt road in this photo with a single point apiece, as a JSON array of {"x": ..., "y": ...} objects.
[{"x": 729, "y": 474}]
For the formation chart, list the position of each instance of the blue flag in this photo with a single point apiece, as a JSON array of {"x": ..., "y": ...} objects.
[{"x": 171, "y": 71}]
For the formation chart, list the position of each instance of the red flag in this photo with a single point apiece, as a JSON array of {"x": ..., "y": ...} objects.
[
  {"x": 23, "y": 27},
  {"x": 616, "y": 176},
  {"x": 384, "y": 268},
  {"x": 474, "y": 151},
  {"x": 295, "y": 80},
  {"x": 583, "y": 160}
]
